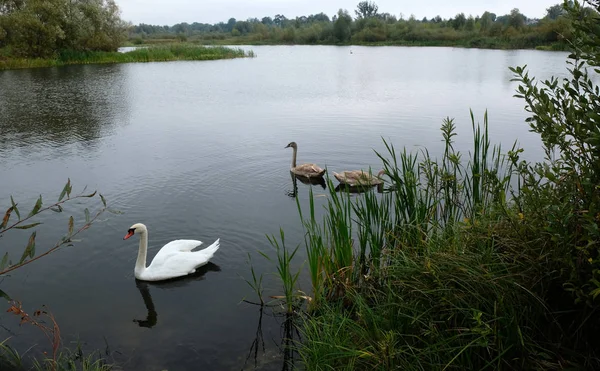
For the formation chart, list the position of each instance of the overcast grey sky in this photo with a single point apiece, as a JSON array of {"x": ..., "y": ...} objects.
[{"x": 169, "y": 12}]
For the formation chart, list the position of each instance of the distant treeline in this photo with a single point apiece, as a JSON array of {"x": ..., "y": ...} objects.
[
  {"x": 45, "y": 28},
  {"x": 513, "y": 30}
]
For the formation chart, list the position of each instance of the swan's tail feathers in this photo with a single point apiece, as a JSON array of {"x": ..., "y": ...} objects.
[{"x": 210, "y": 250}]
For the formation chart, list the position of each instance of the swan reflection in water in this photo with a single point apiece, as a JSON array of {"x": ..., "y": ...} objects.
[
  {"x": 360, "y": 189},
  {"x": 308, "y": 181},
  {"x": 144, "y": 287}
]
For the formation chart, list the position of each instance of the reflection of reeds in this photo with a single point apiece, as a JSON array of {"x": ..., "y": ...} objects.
[
  {"x": 291, "y": 336},
  {"x": 258, "y": 342}
]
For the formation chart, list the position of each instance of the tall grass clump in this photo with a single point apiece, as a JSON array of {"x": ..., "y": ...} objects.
[
  {"x": 470, "y": 261},
  {"x": 415, "y": 278},
  {"x": 284, "y": 271},
  {"x": 153, "y": 53}
]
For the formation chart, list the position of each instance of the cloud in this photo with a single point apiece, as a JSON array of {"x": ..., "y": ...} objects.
[{"x": 163, "y": 12}]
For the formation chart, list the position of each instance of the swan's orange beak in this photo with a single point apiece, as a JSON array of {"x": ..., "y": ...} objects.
[{"x": 129, "y": 234}]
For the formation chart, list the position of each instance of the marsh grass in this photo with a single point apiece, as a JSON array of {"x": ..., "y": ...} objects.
[
  {"x": 424, "y": 275},
  {"x": 154, "y": 53},
  {"x": 285, "y": 272},
  {"x": 256, "y": 283},
  {"x": 428, "y": 201},
  {"x": 66, "y": 360}
]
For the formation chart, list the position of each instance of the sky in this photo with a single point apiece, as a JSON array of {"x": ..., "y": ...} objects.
[{"x": 170, "y": 12}]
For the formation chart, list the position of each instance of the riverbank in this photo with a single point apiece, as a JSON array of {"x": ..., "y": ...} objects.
[
  {"x": 478, "y": 42},
  {"x": 154, "y": 53},
  {"x": 476, "y": 260},
  {"x": 443, "y": 270}
]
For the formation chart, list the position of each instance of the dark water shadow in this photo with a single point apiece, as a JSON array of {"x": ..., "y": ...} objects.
[
  {"x": 258, "y": 343},
  {"x": 286, "y": 342},
  {"x": 304, "y": 180},
  {"x": 290, "y": 336},
  {"x": 144, "y": 288},
  {"x": 380, "y": 188}
]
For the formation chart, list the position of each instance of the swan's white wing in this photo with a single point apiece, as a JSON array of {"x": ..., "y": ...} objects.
[
  {"x": 181, "y": 245},
  {"x": 172, "y": 248},
  {"x": 174, "y": 262}
]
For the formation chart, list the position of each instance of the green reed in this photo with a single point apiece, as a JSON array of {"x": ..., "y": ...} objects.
[
  {"x": 154, "y": 53},
  {"x": 255, "y": 283},
  {"x": 411, "y": 277},
  {"x": 284, "y": 271},
  {"x": 418, "y": 275},
  {"x": 425, "y": 202},
  {"x": 66, "y": 360}
]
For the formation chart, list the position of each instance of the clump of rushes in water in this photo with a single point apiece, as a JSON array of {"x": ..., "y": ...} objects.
[
  {"x": 255, "y": 284},
  {"x": 158, "y": 53},
  {"x": 290, "y": 295},
  {"x": 414, "y": 278}
]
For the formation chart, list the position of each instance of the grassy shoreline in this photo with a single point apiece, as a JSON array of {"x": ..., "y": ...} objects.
[
  {"x": 154, "y": 53},
  {"x": 495, "y": 43},
  {"x": 445, "y": 270}
]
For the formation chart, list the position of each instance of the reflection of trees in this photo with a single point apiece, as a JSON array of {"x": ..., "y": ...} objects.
[
  {"x": 144, "y": 287},
  {"x": 57, "y": 106}
]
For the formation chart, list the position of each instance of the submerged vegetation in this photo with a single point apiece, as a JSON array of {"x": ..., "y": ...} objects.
[
  {"x": 372, "y": 27},
  {"x": 467, "y": 261}
]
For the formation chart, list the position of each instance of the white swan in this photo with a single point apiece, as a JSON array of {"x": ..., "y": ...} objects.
[{"x": 174, "y": 259}]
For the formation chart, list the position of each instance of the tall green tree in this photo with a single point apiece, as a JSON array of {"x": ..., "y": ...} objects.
[
  {"x": 516, "y": 19},
  {"x": 555, "y": 11},
  {"x": 42, "y": 28},
  {"x": 342, "y": 26},
  {"x": 366, "y": 9}
]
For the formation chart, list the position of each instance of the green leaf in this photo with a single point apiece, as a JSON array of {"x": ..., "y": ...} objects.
[
  {"x": 30, "y": 249},
  {"x": 58, "y": 209},
  {"x": 5, "y": 295},
  {"x": 4, "y": 262},
  {"x": 71, "y": 224},
  {"x": 91, "y": 194},
  {"x": 103, "y": 200},
  {"x": 14, "y": 205},
  {"x": 113, "y": 211},
  {"x": 87, "y": 215},
  {"x": 6, "y": 217},
  {"x": 64, "y": 191},
  {"x": 36, "y": 207},
  {"x": 28, "y": 226}
]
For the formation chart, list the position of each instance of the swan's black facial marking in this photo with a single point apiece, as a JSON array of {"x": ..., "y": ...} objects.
[{"x": 130, "y": 232}]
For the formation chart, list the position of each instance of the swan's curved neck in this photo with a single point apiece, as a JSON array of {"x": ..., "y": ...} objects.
[
  {"x": 294, "y": 157},
  {"x": 140, "y": 264}
]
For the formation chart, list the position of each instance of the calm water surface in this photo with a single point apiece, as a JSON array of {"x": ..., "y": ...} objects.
[{"x": 196, "y": 150}]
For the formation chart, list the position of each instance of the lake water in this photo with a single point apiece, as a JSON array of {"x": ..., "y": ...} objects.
[{"x": 196, "y": 150}]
